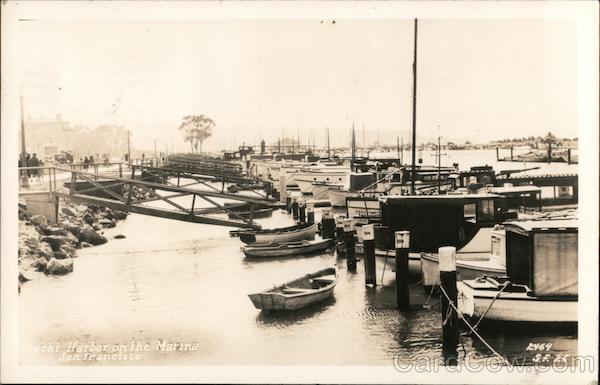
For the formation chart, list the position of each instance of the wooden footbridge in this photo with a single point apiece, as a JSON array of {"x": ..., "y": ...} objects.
[{"x": 151, "y": 191}]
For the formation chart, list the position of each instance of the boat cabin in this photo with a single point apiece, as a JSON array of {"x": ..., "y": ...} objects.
[
  {"x": 518, "y": 196},
  {"x": 543, "y": 256},
  {"x": 440, "y": 220}
]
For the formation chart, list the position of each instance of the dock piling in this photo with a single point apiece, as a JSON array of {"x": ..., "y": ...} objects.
[
  {"x": 450, "y": 330},
  {"x": 295, "y": 208},
  {"x": 310, "y": 212},
  {"x": 339, "y": 236},
  {"x": 568, "y": 156},
  {"x": 282, "y": 189},
  {"x": 349, "y": 242},
  {"x": 402, "y": 244},
  {"x": 288, "y": 203},
  {"x": 511, "y": 153},
  {"x": 327, "y": 224},
  {"x": 302, "y": 211},
  {"x": 369, "y": 247}
]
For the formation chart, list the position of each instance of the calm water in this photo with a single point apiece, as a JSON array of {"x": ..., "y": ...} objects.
[{"x": 173, "y": 282}]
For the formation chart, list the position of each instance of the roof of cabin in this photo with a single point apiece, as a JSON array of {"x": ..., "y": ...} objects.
[
  {"x": 514, "y": 189},
  {"x": 553, "y": 224},
  {"x": 462, "y": 197}
]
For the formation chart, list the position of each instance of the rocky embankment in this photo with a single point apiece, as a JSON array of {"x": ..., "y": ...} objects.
[{"x": 51, "y": 248}]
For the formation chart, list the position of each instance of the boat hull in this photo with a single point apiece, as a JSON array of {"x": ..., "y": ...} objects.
[
  {"x": 285, "y": 249},
  {"x": 278, "y": 237},
  {"x": 465, "y": 269},
  {"x": 277, "y": 299},
  {"x": 514, "y": 307}
]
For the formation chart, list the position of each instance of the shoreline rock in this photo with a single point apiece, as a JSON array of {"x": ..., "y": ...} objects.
[{"x": 51, "y": 247}]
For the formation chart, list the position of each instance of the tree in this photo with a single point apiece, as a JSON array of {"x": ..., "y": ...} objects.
[{"x": 196, "y": 129}]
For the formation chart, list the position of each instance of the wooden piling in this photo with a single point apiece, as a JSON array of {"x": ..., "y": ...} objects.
[
  {"x": 310, "y": 212},
  {"x": 339, "y": 236},
  {"x": 549, "y": 152},
  {"x": 302, "y": 211},
  {"x": 295, "y": 208},
  {"x": 568, "y": 156},
  {"x": 369, "y": 247},
  {"x": 497, "y": 153},
  {"x": 349, "y": 243},
  {"x": 288, "y": 203},
  {"x": 402, "y": 244},
  {"x": 511, "y": 153},
  {"x": 282, "y": 189},
  {"x": 450, "y": 330},
  {"x": 327, "y": 225}
]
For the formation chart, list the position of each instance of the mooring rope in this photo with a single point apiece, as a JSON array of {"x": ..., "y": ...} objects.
[
  {"x": 473, "y": 330},
  {"x": 490, "y": 305}
]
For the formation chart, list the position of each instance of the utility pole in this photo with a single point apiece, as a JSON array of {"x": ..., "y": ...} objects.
[
  {"x": 414, "y": 113},
  {"x": 24, "y": 178},
  {"x": 128, "y": 147}
]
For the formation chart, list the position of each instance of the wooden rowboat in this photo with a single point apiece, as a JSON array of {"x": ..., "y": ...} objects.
[
  {"x": 299, "y": 293},
  {"x": 306, "y": 230},
  {"x": 267, "y": 250},
  {"x": 258, "y": 213}
]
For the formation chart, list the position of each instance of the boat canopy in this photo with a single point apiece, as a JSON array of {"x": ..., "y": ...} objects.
[
  {"x": 440, "y": 220},
  {"x": 543, "y": 255}
]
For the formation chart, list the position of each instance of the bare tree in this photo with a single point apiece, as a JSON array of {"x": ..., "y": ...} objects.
[{"x": 196, "y": 129}]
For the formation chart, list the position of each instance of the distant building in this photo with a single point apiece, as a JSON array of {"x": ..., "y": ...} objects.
[{"x": 45, "y": 137}]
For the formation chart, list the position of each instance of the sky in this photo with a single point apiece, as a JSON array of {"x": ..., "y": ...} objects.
[{"x": 478, "y": 80}]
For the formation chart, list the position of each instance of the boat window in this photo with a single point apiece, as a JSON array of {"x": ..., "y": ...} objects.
[
  {"x": 469, "y": 210},
  {"x": 340, "y": 179},
  {"x": 486, "y": 210},
  {"x": 327, "y": 179}
]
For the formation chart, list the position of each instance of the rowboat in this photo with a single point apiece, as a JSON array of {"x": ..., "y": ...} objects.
[
  {"x": 258, "y": 213},
  {"x": 284, "y": 249},
  {"x": 299, "y": 293},
  {"x": 306, "y": 230}
]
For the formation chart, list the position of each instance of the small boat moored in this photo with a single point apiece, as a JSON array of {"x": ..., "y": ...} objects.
[
  {"x": 284, "y": 249},
  {"x": 305, "y": 230},
  {"x": 299, "y": 293}
]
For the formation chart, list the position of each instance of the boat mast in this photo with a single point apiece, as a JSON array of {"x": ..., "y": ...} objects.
[
  {"x": 414, "y": 113},
  {"x": 328, "y": 151},
  {"x": 353, "y": 148}
]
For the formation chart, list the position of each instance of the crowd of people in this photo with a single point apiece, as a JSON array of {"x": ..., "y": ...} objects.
[{"x": 32, "y": 161}]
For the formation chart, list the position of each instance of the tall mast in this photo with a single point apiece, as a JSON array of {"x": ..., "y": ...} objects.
[
  {"x": 414, "y": 113},
  {"x": 328, "y": 151},
  {"x": 353, "y": 148},
  {"x": 398, "y": 148}
]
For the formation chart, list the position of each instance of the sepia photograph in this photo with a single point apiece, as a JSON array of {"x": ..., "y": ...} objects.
[{"x": 307, "y": 192}]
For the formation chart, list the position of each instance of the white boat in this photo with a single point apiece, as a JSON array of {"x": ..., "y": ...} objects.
[
  {"x": 478, "y": 257},
  {"x": 299, "y": 293},
  {"x": 515, "y": 304},
  {"x": 320, "y": 189},
  {"x": 541, "y": 282}
]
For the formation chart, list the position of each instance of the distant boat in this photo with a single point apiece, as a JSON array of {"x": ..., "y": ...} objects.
[
  {"x": 284, "y": 249},
  {"x": 306, "y": 230},
  {"x": 299, "y": 293}
]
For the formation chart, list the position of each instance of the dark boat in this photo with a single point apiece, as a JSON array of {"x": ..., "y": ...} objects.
[
  {"x": 284, "y": 249},
  {"x": 306, "y": 230}
]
